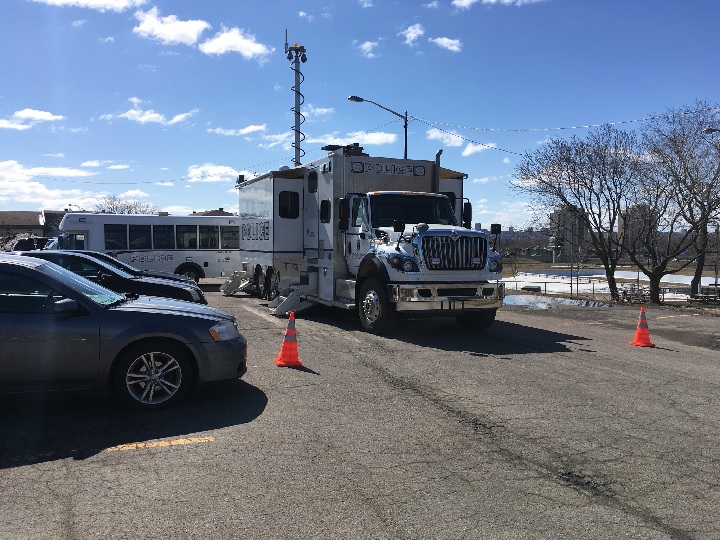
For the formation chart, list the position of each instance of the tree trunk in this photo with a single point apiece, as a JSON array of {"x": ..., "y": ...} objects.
[
  {"x": 612, "y": 284},
  {"x": 697, "y": 277},
  {"x": 655, "y": 287}
]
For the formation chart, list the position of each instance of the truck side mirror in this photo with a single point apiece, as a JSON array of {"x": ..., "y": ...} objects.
[
  {"x": 467, "y": 215},
  {"x": 495, "y": 228},
  {"x": 399, "y": 226},
  {"x": 344, "y": 212}
]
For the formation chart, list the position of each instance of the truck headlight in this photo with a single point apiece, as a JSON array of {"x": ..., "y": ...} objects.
[
  {"x": 404, "y": 264},
  {"x": 495, "y": 266},
  {"x": 224, "y": 331}
]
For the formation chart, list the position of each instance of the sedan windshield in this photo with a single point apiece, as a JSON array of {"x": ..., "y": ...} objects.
[{"x": 96, "y": 293}]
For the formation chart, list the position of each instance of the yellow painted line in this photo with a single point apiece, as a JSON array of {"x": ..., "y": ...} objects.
[{"x": 160, "y": 444}]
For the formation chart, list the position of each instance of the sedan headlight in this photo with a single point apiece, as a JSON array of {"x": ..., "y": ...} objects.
[
  {"x": 404, "y": 264},
  {"x": 224, "y": 331}
]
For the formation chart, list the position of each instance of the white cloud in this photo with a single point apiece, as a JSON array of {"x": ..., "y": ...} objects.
[
  {"x": 79, "y": 23},
  {"x": 506, "y": 160},
  {"x": 465, "y": 4},
  {"x": 483, "y": 180},
  {"x": 432, "y": 5},
  {"x": 177, "y": 210},
  {"x": 281, "y": 139},
  {"x": 372, "y": 138},
  {"x": 412, "y": 33},
  {"x": 27, "y": 118},
  {"x": 306, "y": 16},
  {"x": 57, "y": 155},
  {"x": 367, "y": 48},
  {"x": 136, "y": 114},
  {"x": 317, "y": 112},
  {"x": 165, "y": 183},
  {"x": 118, "y": 167},
  {"x": 235, "y": 40},
  {"x": 453, "y": 45},
  {"x": 133, "y": 194},
  {"x": 237, "y": 132},
  {"x": 21, "y": 184},
  {"x": 447, "y": 138},
  {"x": 209, "y": 172},
  {"x": 472, "y": 148},
  {"x": 365, "y": 3},
  {"x": 100, "y": 5},
  {"x": 168, "y": 30},
  {"x": 108, "y": 39},
  {"x": 91, "y": 163}
]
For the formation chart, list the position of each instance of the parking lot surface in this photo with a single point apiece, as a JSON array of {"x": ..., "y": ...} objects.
[{"x": 548, "y": 425}]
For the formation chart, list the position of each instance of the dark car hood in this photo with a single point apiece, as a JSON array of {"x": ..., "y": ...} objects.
[
  {"x": 150, "y": 304},
  {"x": 166, "y": 276},
  {"x": 164, "y": 281}
]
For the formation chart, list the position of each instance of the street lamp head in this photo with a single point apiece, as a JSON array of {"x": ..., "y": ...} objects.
[
  {"x": 709, "y": 130},
  {"x": 356, "y": 99}
]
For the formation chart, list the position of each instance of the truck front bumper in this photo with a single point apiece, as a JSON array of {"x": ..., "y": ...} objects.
[{"x": 450, "y": 297}]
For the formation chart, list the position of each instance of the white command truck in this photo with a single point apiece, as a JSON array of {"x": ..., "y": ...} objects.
[{"x": 376, "y": 235}]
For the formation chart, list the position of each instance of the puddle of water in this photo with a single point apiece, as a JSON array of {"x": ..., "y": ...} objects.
[{"x": 534, "y": 301}]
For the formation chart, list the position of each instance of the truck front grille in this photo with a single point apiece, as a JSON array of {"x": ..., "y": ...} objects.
[{"x": 460, "y": 253}]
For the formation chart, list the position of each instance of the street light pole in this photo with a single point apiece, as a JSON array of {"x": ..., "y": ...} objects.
[{"x": 358, "y": 99}]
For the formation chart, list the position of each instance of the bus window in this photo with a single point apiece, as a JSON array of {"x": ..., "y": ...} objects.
[
  {"x": 71, "y": 241},
  {"x": 229, "y": 237},
  {"x": 115, "y": 236},
  {"x": 164, "y": 236},
  {"x": 140, "y": 237},
  {"x": 186, "y": 236},
  {"x": 209, "y": 237}
]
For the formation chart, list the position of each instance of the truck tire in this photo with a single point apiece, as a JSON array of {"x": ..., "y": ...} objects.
[
  {"x": 477, "y": 321},
  {"x": 190, "y": 271},
  {"x": 377, "y": 314}
]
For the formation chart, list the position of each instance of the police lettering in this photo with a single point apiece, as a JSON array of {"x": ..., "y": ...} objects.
[{"x": 260, "y": 230}]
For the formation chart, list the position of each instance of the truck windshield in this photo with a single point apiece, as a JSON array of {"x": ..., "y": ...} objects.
[{"x": 384, "y": 209}]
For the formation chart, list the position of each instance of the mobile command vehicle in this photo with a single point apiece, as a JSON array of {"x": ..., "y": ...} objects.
[
  {"x": 194, "y": 246},
  {"x": 376, "y": 235}
]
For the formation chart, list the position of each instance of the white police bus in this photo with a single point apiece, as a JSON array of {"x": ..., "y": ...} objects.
[{"x": 194, "y": 246}]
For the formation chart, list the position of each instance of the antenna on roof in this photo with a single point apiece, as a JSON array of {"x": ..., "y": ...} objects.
[{"x": 296, "y": 54}]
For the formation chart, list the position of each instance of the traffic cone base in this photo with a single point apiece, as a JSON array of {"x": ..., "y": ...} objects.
[
  {"x": 642, "y": 332},
  {"x": 288, "y": 356}
]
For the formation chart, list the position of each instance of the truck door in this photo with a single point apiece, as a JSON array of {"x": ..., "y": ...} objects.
[
  {"x": 357, "y": 240},
  {"x": 311, "y": 213}
]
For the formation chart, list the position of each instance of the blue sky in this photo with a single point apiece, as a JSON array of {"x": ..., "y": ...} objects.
[{"x": 167, "y": 101}]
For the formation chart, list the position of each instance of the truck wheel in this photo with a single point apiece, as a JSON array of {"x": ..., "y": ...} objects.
[
  {"x": 152, "y": 375},
  {"x": 377, "y": 314},
  {"x": 478, "y": 321},
  {"x": 190, "y": 272}
]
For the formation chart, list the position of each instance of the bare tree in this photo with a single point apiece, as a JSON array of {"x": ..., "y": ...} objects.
[
  {"x": 113, "y": 204},
  {"x": 687, "y": 160},
  {"x": 590, "y": 179}
]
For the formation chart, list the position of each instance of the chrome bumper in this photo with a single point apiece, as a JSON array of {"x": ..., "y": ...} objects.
[{"x": 452, "y": 297}]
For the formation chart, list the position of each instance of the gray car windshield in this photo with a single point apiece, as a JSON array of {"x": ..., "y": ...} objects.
[
  {"x": 92, "y": 291},
  {"x": 386, "y": 208}
]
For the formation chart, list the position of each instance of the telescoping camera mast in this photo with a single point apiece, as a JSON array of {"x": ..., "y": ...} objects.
[{"x": 296, "y": 54}]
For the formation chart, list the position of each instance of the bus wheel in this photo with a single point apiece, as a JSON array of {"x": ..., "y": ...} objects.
[{"x": 190, "y": 272}]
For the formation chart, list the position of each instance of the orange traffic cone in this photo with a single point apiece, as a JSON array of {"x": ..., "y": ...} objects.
[
  {"x": 288, "y": 356},
  {"x": 642, "y": 333}
]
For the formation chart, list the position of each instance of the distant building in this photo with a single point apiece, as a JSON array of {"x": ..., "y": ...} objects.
[
  {"x": 568, "y": 234},
  {"x": 20, "y": 222}
]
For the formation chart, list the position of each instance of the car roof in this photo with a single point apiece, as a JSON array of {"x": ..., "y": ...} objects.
[{"x": 19, "y": 260}]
